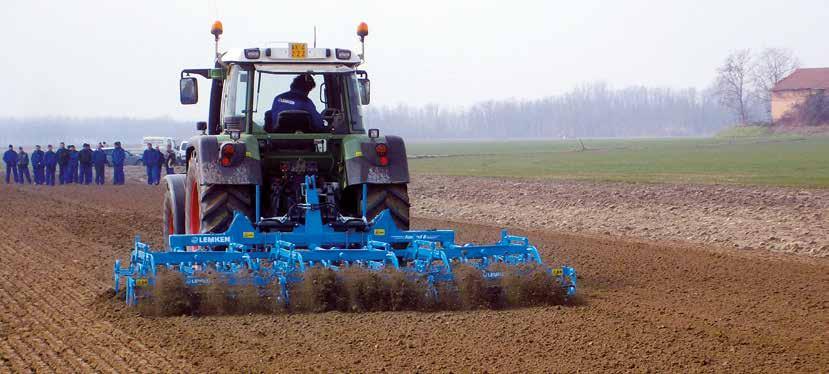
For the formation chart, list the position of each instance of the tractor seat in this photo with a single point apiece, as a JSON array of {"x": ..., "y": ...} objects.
[{"x": 288, "y": 122}]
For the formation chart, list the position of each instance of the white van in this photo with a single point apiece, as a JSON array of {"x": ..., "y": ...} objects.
[{"x": 159, "y": 141}]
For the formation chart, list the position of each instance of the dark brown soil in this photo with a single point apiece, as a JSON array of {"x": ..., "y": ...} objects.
[{"x": 643, "y": 307}]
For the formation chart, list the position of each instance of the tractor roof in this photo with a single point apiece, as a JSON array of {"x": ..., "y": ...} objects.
[{"x": 293, "y": 54}]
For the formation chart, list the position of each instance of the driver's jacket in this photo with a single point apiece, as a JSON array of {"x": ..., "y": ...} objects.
[{"x": 296, "y": 100}]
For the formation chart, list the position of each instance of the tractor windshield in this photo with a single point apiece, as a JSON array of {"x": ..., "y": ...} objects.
[{"x": 333, "y": 96}]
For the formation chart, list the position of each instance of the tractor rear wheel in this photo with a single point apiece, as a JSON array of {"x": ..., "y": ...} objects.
[
  {"x": 209, "y": 208},
  {"x": 394, "y": 197},
  {"x": 173, "y": 207}
]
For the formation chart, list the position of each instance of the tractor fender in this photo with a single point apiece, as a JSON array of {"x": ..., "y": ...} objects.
[
  {"x": 176, "y": 186},
  {"x": 363, "y": 166},
  {"x": 206, "y": 147}
]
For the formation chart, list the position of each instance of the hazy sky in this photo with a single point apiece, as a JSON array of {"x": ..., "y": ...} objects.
[{"x": 122, "y": 58}]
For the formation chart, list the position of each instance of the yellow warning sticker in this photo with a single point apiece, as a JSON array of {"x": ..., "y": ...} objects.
[
  {"x": 247, "y": 234},
  {"x": 557, "y": 272},
  {"x": 140, "y": 282},
  {"x": 248, "y": 154},
  {"x": 358, "y": 154},
  {"x": 379, "y": 232}
]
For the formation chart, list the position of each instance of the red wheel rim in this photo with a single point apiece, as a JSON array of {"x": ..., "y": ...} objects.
[
  {"x": 195, "y": 219},
  {"x": 171, "y": 228}
]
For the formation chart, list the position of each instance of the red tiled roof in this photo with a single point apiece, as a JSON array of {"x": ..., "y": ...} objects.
[{"x": 800, "y": 79}]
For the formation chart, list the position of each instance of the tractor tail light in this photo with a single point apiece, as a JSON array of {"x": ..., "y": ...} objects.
[
  {"x": 227, "y": 154},
  {"x": 382, "y": 151}
]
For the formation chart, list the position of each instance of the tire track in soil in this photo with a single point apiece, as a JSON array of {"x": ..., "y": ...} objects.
[
  {"x": 52, "y": 280},
  {"x": 34, "y": 304},
  {"x": 70, "y": 305}
]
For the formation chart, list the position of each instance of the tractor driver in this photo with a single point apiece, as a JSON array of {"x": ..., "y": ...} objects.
[{"x": 297, "y": 99}]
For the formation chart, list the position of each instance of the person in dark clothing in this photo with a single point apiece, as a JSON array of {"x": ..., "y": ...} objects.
[
  {"x": 23, "y": 167},
  {"x": 72, "y": 170},
  {"x": 170, "y": 160},
  {"x": 37, "y": 164},
  {"x": 99, "y": 159},
  {"x": 118, "y": 158},
  {"x": 10, "y": 159},
  {"x": 85, "y": 159},
  {"x": 297, "y": 99},
  {"x": 63, "y": 162},
  {"x": 159, "y": 165},
  {"x": 50, "y": 161},
  {"x": 151, "y": 161}
]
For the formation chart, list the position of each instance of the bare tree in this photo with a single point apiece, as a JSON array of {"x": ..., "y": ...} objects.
[
  {"x": 734, "y": 83},
  {"x": 770, "y": 67}
]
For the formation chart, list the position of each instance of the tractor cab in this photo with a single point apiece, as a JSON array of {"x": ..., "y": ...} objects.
[{"x": 247, "y": 83}]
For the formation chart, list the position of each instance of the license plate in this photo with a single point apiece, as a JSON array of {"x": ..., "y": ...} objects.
[
  {"x": 299, "y": 50},
  {"x": 141, "y": 282},
  {"x": 558, "y": 272}
]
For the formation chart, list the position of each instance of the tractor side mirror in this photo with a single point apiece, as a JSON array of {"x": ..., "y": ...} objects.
[
  {"x": 201, "y": 126},
  {"x": 188, "y": 90},
  {"x": 365, "y": 91}
]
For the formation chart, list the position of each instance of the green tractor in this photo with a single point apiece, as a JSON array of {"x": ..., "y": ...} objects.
[{"x": 247, "y": 153}]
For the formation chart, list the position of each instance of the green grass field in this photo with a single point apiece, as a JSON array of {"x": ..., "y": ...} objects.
[{"x": 779, "y": 161}]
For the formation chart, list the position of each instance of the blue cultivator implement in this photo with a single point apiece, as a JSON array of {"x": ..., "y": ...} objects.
[{"x": 279, "y": 251}]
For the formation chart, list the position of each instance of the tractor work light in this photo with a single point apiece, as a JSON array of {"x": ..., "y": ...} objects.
[
  {"x": 252, "y": 53},
  {"x": 343, "y": 54}
]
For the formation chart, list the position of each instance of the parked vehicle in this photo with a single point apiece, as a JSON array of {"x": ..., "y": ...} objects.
[
  {"x": 131, "y": 158},
  {"x": 181, "y": 152},
  {"x": 161, "y": 142}
]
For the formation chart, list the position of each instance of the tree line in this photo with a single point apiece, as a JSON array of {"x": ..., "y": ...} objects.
[
  {"x": 52, "y": 130},
  {"x": 591, "y": 110}
]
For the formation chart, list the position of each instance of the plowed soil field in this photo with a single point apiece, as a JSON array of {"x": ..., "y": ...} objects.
[{"x": 645, "y": 306}]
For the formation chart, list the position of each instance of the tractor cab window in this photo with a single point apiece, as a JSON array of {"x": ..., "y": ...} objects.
[
  {"x": 235, "y": 97},
  {"x": 332, "y": 98},
  {"x": 269, "y": 86}
]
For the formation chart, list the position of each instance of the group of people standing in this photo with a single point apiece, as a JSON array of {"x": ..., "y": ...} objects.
[
  {"x": 66, "y": 165},
  {"x": 154, "y": 160}
]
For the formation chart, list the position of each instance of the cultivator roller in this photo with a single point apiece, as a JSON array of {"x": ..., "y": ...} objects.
[{"x": 278, "y": 251}]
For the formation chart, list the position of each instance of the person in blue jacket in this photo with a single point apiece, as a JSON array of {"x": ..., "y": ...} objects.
[
  {"x": 159, "y": 165},
  {"x": 37, "y": 164},
  {"x": 297, "y": 99},
  {"x": 10, "y": 159},
  {"x": 50, "y": 162},
  {"x": 99, "y": 159},
  {"x": 152, "y": 160},
  {"x": 23, "y": 167},
  {"x": 72, "y": 169},
  {"x": 63, "y": 162},
  {"x": 118, "y": 158}
]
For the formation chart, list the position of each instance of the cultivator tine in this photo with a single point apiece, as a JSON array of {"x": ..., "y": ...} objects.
[{"x": 284, "y": 256}]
